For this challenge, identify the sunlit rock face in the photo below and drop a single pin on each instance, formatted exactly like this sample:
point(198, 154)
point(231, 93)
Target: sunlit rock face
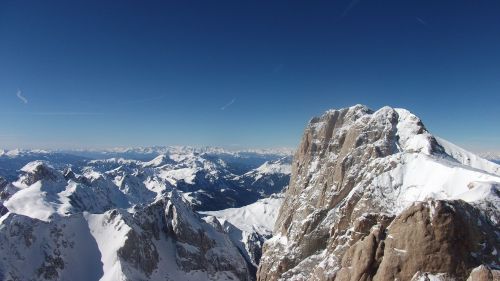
point(362, 181)
point(164, 240)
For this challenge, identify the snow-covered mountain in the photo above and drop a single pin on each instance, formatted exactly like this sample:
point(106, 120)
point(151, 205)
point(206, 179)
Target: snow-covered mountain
point(210, 178)
point(124, 219)
point(374, 196)
point(269, 178)
point(145, 153)
point(11, 161)
point(165, 240)
point(369, 195)
point(250, 226)
point(204, 180)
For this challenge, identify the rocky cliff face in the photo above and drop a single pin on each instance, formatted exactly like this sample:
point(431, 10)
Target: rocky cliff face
point(373, 196)
point(162, 241)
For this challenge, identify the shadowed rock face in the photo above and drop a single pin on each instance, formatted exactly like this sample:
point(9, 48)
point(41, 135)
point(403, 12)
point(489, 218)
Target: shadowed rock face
point(337, 215)
point(198, 245)
point(4, 195)
point(40, 171)
point(165, 235)
point(3, 183)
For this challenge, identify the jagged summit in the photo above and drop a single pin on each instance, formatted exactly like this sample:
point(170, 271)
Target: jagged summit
point(355, 163)
point(405, 129)
point(64, 217)
point(39, 170)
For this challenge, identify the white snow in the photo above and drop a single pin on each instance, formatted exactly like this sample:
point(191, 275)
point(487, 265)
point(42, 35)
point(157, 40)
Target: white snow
point(31, 167)
point(281, 166)
point(259, 216)
point(419, 177)
point(479, 191)
point(186, 174)
point(157, 161)
point(274, 168)
point(110, 236)
point(400, 251)
point(468, 158)
point(102, 187)
point(408, 132)
point(31, 202)
point(27, 243)
point(421, 276)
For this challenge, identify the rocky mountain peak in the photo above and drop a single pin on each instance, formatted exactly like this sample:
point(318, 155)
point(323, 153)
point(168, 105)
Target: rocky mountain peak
point(39, 170)
point(352, 162)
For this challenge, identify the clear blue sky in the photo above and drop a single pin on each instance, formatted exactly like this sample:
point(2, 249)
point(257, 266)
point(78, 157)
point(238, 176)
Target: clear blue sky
point(241, 73)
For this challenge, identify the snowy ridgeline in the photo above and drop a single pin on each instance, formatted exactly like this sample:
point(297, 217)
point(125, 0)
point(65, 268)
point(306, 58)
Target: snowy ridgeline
point(73, 218)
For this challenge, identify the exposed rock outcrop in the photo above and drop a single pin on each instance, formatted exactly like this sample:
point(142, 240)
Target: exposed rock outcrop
point(450, 237)
point(484, 273)
point(162, 241)
point(351, 201)
point(38, 170)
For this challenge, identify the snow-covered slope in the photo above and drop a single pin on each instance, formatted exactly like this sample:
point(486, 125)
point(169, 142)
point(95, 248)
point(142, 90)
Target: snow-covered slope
point(257, 217)
point(269, 178)
point(36, 250)
point(281, 166)
point(162, 241)
point(468, 158)
point(45, 192)
point(250, 226)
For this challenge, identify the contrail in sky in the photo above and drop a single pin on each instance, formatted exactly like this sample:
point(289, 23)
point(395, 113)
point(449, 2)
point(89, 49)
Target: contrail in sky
point(228, 104)
point(19, 94)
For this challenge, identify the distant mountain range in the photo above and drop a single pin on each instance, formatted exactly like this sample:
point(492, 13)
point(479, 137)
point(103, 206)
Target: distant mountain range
point(367, 195)
point(60, 210)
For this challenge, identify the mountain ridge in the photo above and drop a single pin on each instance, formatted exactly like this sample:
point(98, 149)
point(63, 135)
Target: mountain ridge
point(356, 161)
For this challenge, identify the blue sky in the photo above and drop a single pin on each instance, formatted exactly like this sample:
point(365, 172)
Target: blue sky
point(241, 73)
